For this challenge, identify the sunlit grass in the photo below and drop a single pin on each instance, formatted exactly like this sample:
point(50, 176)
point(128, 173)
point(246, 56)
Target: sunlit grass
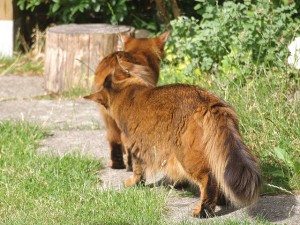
point(39, 189)
point(21, 64)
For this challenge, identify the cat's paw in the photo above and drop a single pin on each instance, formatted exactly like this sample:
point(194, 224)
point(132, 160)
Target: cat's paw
point(130, 181)
point(202, 212)
point(196, 211)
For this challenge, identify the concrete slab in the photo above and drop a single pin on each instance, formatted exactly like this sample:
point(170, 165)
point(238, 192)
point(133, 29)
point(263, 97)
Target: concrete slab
point(21, 87)
point(56, 114)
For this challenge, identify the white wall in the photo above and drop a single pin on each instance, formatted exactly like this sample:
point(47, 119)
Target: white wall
point(6, 37)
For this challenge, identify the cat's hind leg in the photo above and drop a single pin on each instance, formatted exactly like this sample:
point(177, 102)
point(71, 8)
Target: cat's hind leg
point(208, 198)
point(198, 171)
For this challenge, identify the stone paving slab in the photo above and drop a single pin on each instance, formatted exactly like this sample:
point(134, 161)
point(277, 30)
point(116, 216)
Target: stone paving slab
point(275, 209)
point(21, 87)
point(59, 114)
point(85, 142)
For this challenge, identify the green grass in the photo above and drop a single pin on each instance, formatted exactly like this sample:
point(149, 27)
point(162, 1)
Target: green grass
point(73, 93)
point(269, 122)
point(270, 125)
point(76, 92)
point(21, 64)
point(38, 189)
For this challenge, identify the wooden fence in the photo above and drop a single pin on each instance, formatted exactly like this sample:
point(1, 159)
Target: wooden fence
point(6, 9)
point(6, 27)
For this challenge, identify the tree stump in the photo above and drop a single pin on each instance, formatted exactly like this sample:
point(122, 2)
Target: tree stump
point(73, 52)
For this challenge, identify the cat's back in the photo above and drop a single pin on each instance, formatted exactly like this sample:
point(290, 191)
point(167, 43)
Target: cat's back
point(169, 106)
point(180, 96)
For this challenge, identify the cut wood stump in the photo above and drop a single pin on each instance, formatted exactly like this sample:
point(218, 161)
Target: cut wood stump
point(73, 52)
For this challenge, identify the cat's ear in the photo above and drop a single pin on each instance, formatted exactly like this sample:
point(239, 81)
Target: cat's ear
point(125, 38)
point(164, 37)
point(138, 73)
point(100, 97)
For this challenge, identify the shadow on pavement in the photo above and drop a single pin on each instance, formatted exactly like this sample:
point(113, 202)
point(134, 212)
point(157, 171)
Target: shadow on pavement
point(274, 208)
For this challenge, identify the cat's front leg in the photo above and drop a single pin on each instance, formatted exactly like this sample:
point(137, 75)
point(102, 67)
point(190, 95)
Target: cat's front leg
point(138, 176)
point(114, 139)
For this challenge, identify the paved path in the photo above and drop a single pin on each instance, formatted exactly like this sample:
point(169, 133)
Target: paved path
point(21, 87)
point(76, 127)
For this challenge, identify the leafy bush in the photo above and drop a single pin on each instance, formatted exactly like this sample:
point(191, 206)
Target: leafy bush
point(70, 11)
point(232, 39)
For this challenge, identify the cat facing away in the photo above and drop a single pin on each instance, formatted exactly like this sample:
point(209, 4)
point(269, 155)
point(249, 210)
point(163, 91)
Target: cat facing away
point(182, 130)
point(147, 52)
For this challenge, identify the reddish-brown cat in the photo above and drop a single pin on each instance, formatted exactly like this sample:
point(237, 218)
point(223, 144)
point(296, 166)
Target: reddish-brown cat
point(147, 52)
point(183, 130)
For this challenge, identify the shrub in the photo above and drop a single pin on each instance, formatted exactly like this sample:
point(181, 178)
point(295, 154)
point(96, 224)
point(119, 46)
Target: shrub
point(71, 11)
point(233, 39)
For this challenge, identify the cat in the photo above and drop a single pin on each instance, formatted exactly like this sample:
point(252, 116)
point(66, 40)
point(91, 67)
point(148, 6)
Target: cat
point(147, 52)
point(180, 129)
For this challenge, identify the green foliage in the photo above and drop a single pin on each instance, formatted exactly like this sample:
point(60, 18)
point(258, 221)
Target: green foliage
point(232, 34)
point(66, 11)
point(142, 14)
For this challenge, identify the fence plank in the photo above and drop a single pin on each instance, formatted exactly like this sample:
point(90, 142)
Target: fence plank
point(6, 10)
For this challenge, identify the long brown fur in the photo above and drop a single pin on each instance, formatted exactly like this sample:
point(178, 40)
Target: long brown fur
point(183, 130)
point(144, 51)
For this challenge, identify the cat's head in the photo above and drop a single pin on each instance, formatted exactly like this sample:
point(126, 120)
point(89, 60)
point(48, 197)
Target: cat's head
point(118, 71)
point(123, 65)
point(155, 44)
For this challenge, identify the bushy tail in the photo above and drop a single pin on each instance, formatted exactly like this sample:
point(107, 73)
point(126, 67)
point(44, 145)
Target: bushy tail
point(234, 167)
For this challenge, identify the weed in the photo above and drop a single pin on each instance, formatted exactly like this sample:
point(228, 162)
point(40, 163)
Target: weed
point(21, 64)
